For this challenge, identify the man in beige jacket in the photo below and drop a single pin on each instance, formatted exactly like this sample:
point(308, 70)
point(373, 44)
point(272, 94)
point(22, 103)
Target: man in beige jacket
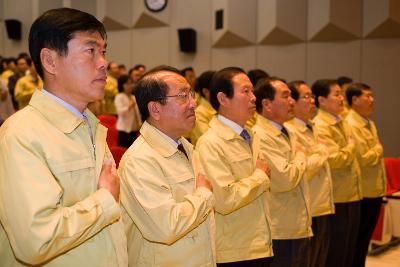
point(317, 174)
point(59, 192)
point(288, 199)
point(228, 156)
point(370, 156)
point(334, 132)
point(169, 217)
point(204, 111)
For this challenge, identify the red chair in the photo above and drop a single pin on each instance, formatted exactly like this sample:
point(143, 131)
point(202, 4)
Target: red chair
point(110, 122)
point(384, 229)
point(392, 166)
point(117, 153)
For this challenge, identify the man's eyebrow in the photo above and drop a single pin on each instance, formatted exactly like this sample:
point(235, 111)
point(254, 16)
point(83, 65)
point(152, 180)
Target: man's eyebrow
point(95, 43)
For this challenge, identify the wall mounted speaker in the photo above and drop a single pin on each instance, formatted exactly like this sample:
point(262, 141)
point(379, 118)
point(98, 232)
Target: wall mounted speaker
point(187, 40)
point(219, 19)
point(13, 27)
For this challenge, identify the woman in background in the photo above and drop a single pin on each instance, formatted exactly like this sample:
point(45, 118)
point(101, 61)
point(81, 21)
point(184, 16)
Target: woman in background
point(129, 120)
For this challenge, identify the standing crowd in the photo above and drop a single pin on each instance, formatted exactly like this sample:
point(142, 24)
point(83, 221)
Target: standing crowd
point(229, 169)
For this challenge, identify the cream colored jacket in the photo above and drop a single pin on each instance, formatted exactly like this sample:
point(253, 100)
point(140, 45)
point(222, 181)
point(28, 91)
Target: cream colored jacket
point(204, 113)
point(369, 155)
point(24, 89)
point(288, 200)
point(110, 92)
point(168, 221)
point(318, 173)
point(345, 170)
point(51, 211)
point(243, 231)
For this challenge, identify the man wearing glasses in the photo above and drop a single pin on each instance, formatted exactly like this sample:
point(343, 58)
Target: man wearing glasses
point(318, 174)
point(168, 208)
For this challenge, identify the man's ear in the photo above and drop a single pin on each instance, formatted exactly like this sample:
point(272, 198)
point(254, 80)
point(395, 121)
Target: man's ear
point(354, 100)
point(48, 58)
point(321, 100)
point(266, 104)
point(206, 92)
point(154, 110)
point(222, 99)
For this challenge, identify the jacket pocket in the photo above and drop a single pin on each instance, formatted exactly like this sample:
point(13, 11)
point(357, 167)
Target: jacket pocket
point(181, 185)
point(77, 179)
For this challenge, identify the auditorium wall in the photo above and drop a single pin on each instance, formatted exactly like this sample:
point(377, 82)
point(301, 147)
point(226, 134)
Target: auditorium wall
point(293, 39)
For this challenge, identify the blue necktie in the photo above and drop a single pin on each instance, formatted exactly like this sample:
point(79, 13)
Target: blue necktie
point(246, 136)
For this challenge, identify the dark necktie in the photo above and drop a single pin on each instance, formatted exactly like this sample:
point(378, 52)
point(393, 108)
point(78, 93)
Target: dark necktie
point(245, 136)
point(341, 128)
point(285, 132)
point(182, 149)
point(369, 125)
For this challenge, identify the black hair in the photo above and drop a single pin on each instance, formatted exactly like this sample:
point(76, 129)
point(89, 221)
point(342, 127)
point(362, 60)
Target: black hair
point(183, 71)
point(322, 88)
point(265, 90)
point(355, 89)
point(222, 82)
point(150, 88)
point(203, 81)
point(55, 28)
point(343, 80)
point(121, 81)
point(256, 74)
point(294, 88)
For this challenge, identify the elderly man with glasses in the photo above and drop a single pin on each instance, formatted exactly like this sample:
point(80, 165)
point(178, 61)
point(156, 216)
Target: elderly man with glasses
point(168, 208)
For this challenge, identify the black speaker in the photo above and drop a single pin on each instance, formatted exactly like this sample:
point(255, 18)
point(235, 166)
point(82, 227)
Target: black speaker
point(13, 27)
point(219, 19)
point(187, 40)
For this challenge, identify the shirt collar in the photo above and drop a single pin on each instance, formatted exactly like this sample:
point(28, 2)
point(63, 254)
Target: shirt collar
point(233, 125)
point(357, 118)
point(160, 142)
point(268, 125)
point(68, 106)
point(299, 121)
point(60, 116)
point(328, 117)
point(169, 139)
point(275, 124)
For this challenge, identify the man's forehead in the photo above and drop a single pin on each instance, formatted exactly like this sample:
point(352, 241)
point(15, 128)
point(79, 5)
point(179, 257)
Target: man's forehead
point(241, 79)
point(366, 92)
point(304, 88)
point(280, 86)
point(172, 79)
point(89, 37)
point(334, 88)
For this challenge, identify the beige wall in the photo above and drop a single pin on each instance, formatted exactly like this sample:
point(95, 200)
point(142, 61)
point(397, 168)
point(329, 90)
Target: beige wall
point(374, 61)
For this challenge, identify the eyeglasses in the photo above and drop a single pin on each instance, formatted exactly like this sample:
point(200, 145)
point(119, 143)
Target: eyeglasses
point(183, 97)
point(307, 97)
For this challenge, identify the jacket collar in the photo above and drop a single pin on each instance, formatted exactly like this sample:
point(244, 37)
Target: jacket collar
point(222, 130)
point(265, 124)
point(159, 143)
point(327, 117)
point(357, 119)
point(59, 116)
